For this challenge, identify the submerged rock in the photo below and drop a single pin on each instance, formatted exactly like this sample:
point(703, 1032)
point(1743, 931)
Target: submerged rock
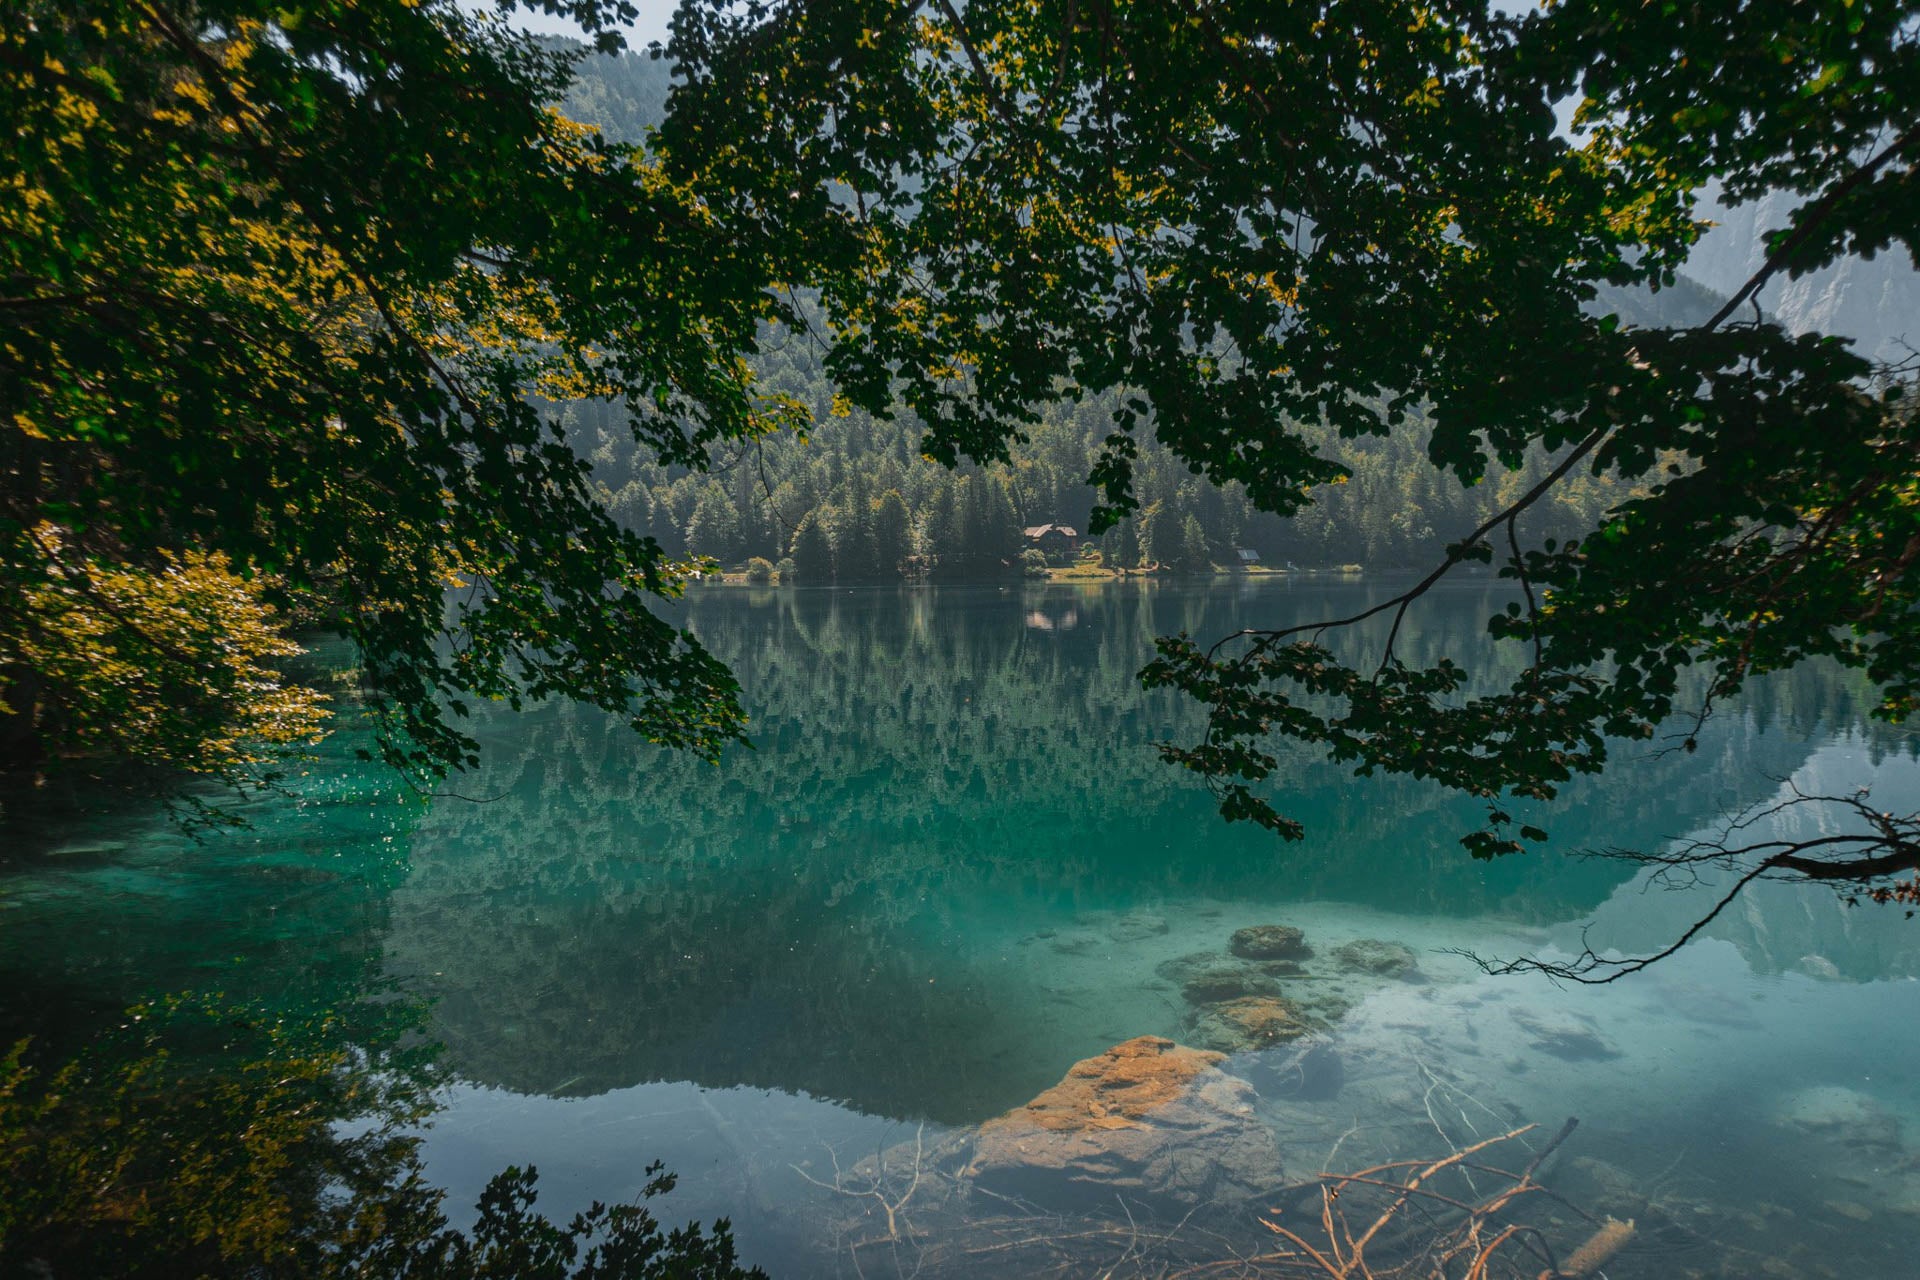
point(1155, 1123)
point(1310, 1072)
point(1078, 942)
point(1227, 983)
point(1206, 978)
point(1251, 1022)
point(1137, 926)
point(1563, 1036)
point(1851, 1121)
point(1372, 955)
point(1270, 942)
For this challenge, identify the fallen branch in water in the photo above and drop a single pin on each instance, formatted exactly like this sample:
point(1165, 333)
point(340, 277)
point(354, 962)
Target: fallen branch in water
point(1407, 1220)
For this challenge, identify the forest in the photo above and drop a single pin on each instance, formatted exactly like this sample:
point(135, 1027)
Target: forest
point(856, 500)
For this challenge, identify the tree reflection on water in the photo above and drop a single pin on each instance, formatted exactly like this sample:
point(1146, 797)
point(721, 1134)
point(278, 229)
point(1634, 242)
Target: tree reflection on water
point(206, 1138)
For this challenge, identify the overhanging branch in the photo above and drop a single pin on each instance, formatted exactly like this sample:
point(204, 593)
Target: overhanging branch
point(1886, 845)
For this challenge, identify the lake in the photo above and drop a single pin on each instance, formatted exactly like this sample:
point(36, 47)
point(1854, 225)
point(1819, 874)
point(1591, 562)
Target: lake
point(952, 865)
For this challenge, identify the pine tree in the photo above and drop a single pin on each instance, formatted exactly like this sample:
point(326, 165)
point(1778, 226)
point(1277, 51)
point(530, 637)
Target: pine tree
point(714, 528)
point(1193, 556)
point(892, 534)
point(813, 549)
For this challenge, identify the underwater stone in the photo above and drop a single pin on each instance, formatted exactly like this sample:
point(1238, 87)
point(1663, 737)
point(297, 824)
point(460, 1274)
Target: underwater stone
point(1151, 1121)
point(1228, 983)
point(1270, 942)
point(1252, 1022)
point(1077, 943)
point(1207, 979)
point(1563, 1037)
point(1137, 926)
point(1372, 955)
point(1283, 968)
point(1311, 1072)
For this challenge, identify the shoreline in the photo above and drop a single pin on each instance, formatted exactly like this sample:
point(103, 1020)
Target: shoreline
point(1068, 574)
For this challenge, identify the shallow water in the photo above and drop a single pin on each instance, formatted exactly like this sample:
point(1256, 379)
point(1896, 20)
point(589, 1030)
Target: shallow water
point(953, 865)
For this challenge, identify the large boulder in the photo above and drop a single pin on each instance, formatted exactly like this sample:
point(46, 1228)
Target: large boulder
point(1152, 1122)
point(1269, 942)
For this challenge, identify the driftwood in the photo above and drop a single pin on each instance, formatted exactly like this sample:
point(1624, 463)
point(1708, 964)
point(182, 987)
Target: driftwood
point(1407, 1220)
point(1468, 1215)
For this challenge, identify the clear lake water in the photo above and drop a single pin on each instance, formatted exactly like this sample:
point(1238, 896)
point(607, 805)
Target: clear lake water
point(952, 865)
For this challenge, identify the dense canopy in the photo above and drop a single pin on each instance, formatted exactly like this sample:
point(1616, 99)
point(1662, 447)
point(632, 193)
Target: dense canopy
point(289, 289)
point(1253, 217)
point(283, 288)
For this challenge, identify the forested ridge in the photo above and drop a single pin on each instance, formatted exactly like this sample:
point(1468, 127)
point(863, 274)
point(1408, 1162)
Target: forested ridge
point(856, 500)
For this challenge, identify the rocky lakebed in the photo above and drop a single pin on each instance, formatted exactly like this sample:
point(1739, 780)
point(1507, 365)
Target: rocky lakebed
point(1177, 1154)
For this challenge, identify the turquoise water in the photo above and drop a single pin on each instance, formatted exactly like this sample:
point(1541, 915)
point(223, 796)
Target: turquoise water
point(952, 865)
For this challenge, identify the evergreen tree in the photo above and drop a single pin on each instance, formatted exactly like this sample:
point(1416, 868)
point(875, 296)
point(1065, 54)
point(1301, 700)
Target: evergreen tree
point(714, 527)
point(892, 533)
point(813, 549)
point(1001, 542)
point(942, 530)
point(1192, 555)
point(1121, 545)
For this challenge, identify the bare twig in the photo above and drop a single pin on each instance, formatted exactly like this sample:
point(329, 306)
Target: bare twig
point(876, 1190)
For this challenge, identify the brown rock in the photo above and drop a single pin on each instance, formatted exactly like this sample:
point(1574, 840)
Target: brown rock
point(1270, 942)
point(1153, 1122)
point(1122, 1085)
point(1252, 1022)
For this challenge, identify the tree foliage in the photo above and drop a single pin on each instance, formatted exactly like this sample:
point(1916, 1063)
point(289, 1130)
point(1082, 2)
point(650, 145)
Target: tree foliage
point(165, 666)
point(278, 284)
point(1252, 222)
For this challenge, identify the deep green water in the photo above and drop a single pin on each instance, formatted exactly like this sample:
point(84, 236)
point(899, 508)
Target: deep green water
point(949, 868)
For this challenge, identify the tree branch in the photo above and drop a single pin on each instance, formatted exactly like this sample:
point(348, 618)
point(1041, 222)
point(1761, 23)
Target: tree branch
point(1816, 213)
point(1891, 845)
